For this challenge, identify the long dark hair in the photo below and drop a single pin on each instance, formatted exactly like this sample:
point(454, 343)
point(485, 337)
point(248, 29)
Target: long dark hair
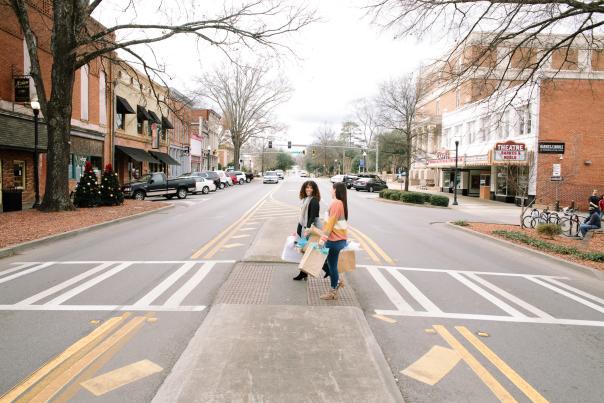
point(340, 188)
point(315, 190)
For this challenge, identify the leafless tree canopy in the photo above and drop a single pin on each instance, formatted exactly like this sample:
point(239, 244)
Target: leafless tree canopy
point(366, 116)
point(247, 97)
point(531, 31)
point(77, 39)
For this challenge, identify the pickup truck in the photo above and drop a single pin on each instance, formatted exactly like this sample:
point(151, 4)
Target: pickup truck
point(158, 184)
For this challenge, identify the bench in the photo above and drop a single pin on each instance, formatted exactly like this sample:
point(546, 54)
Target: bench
point(590, 234)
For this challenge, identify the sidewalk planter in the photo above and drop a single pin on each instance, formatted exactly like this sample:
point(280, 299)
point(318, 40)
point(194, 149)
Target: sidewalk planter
point(418, 198)
point(12, 199)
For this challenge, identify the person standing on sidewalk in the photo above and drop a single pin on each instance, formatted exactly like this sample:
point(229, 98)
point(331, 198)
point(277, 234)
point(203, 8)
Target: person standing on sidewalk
point(335, 235)
point(309, 212)
point(594, 200)
point(601, 204)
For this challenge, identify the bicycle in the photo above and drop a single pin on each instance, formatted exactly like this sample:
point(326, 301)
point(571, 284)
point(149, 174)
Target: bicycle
point(570, 222)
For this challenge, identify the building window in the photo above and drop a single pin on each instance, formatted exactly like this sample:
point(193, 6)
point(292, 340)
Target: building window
point(163, 133)
point(120, 120)
point(458, 98)
point(521, 128)
point(505, 123)
point(438, 106)
point(84, 92)
point(102, 98)
point(19, 174)
point(528, 119)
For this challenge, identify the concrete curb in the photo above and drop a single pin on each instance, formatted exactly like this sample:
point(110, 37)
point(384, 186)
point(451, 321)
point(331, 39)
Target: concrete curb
point(410, 204)
point(571, 265)
point(12, 250)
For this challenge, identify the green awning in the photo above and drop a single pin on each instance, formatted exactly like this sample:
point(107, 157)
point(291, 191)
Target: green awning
point(137, 154)
point(165, 158)
point(17, 132)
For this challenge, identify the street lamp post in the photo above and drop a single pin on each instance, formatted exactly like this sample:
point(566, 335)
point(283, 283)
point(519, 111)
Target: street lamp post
point(365, 161)
point(35, 106)
point(455, 176)
point(209, 151)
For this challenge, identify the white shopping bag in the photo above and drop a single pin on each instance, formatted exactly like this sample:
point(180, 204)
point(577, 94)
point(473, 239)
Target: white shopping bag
point(290, 252)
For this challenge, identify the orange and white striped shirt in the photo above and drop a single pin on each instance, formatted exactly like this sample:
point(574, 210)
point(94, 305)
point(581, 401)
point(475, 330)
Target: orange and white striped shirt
point(336, 226)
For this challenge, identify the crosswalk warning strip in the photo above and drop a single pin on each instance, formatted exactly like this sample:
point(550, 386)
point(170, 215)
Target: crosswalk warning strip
point(20, 266)
point(485, 376)
point(573, 289)
point(396, 299)
point(36, 376)
point(117, 378)
point(59, 287)
point(177, 298)
point(25, 272)
point(419, 296)
point(164, 285)
point(567, 294)
point(501, 365)
point(90, 283)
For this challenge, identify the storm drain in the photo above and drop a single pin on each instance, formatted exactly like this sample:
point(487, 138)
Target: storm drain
point(249, 283)
point(319, 286)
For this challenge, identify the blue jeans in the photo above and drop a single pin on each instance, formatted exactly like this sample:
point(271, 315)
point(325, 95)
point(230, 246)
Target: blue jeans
point(332, 260)
point(586, 227)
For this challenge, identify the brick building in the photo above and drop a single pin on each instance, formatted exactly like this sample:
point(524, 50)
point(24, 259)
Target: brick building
point(562, 105)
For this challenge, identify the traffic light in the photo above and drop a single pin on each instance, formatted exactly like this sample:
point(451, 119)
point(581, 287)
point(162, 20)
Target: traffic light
point(270, 144)
point(289, 144)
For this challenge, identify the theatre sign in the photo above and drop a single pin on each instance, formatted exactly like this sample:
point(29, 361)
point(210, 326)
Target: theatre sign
point(510, 151)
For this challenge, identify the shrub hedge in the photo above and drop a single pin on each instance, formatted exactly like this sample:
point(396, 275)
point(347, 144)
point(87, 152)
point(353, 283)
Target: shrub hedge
point(550, 230)
point(395, 195)
point(437, 200)
point(413, 197)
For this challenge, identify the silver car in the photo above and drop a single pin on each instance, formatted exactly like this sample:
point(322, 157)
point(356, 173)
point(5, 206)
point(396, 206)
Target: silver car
point(270, 177)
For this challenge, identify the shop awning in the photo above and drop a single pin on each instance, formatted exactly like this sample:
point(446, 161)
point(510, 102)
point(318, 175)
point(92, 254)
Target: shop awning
point(17, 132)
point(154, 117)
point(165, 123)
point(137, 154)
point(122, 106)
point(165, 158)
point(142, 114)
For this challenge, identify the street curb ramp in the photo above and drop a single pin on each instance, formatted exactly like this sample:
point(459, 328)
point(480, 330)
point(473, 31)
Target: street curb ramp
point(281, 353)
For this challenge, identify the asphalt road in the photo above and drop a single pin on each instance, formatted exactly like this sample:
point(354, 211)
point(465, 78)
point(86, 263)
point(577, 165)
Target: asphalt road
point(541, 324)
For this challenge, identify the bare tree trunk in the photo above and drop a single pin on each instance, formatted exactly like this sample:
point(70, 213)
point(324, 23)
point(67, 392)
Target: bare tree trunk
point(236, 153)
point(408, 160)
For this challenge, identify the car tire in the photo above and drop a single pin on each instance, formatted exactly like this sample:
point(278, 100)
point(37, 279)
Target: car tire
point(357, 189)
point(221, 185)
point(205, 190)
point(248, 180)
point(370, 189)
point(139, 195)
point(241, 181)
point(181, 193)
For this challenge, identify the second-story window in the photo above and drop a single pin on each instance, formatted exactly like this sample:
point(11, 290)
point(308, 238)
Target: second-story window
point(102, 98)
point(84, 93)
point(528, 119)
point(437, 107)
point(458, 97)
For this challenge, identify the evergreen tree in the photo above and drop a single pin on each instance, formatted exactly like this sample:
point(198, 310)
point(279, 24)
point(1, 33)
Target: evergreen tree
point(87, 193)
point(111, 193)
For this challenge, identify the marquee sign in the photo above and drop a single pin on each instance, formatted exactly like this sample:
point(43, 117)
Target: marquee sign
point(510, 151)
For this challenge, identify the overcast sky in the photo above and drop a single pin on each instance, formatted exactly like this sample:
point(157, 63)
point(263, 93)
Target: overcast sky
point(338, 60)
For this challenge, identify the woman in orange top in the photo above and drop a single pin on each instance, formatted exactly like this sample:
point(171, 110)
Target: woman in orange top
point(335, 235)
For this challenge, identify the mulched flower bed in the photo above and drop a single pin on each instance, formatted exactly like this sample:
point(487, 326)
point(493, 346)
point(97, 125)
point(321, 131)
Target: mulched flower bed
point(595, 245)
point(22, 226)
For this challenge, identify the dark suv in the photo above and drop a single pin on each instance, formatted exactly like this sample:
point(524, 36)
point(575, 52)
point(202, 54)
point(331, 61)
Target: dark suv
point(349, 180)
point(370, 183)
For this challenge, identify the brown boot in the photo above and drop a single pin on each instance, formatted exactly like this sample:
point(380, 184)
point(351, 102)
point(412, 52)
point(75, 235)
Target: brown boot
point(330, 295)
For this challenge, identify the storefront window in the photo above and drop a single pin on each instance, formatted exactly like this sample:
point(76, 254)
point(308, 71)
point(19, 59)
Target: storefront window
point(512, 180)
point(78, 162)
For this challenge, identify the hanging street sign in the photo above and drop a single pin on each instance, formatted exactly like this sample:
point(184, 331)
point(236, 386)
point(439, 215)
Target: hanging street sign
point(22, 89)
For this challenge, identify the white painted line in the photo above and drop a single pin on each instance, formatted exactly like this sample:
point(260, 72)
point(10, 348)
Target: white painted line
point(185, 290)
point(232, 245)
point(241, 236)
point(389, 290)
point(509, 296)
point(495, 318)
point(164, 285)
point(415, 293)
point(246, 229)
point(157, 308)
point(17, 268)
point(488, 273)
point(486, 295)
point(90, 283)
point(575, 290)
point(568, 294)
point(65, 284)
point(146, 262)
point(25, 272)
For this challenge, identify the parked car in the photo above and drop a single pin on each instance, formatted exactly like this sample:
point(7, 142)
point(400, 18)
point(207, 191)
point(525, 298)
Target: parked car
point(249, 177)
point(270, 177)
point(303, 174)
point(240, 177)
point(232, 177)
point(280, 173)
point(349, 180)
point(370, 183)
point(224, 179)
point(337, 178)
point(158, 184)
point(211, 175)
point(202, 185)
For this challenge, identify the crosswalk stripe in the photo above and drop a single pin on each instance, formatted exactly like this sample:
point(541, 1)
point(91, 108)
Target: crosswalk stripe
point(17, 268)
point(420, 297)
point(164, 285)
point(485, 294)
point(25, 272)
point(567, 294)
point(90, 283)
point(65, 284)
point(509, 296)
point(573, 289)
point(177, 298)
point(390, 291)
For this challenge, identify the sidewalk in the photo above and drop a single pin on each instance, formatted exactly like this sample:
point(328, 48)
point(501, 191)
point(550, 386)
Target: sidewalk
point(270, 339)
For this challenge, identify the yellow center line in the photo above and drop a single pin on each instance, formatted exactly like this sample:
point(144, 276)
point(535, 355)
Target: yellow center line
point(485, 376)
point(366, 248)
point(375, 246)
point(505, 369)
point(37, 375)
point(65, 377)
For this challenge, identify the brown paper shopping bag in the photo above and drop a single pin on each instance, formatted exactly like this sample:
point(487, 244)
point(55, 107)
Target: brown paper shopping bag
point(347, 261)
point(312, 261)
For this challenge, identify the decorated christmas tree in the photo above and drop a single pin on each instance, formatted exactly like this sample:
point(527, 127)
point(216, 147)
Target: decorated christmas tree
point(111, 193)
point(87, 193)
